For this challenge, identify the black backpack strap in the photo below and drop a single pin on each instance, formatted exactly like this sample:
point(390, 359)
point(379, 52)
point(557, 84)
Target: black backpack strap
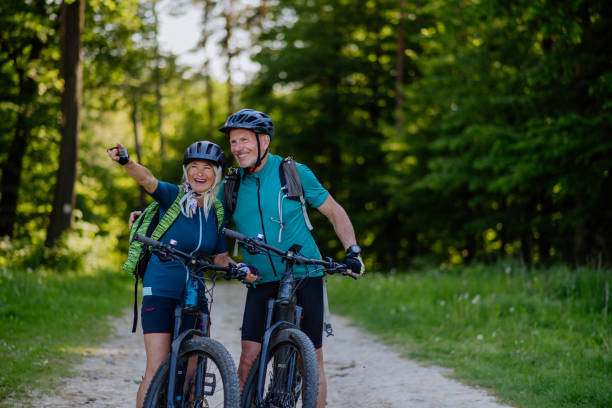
point(135, 320)
point(290, 179)
point(230, 189)
point(291, 185)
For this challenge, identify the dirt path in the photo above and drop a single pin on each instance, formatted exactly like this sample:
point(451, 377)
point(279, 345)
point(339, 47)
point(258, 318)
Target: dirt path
point(360, 372)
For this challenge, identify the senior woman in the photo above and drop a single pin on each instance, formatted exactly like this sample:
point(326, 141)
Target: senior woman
point(195, 230)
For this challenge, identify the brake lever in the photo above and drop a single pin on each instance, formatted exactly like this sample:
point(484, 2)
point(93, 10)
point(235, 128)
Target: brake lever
point(163, 254)
point(250, 248)
point(341, 268)
point(202, 263)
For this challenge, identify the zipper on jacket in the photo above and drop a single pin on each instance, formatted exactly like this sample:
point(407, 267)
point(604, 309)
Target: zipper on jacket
point(263, 229)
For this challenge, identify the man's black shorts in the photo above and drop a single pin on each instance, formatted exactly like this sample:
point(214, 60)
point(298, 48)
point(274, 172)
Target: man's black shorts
point(309, 296)
point(157, 315)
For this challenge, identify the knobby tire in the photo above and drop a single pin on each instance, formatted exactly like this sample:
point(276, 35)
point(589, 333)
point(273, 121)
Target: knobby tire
point(306, 383)
point(221, 371)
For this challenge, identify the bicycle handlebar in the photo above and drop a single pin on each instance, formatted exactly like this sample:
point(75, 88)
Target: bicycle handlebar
point(148, 241)
point(329, 264)
point(234, 234)
point(176, 253)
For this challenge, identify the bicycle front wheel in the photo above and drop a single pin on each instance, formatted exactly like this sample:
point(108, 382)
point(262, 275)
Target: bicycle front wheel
point(291, 376)
point(206, 377)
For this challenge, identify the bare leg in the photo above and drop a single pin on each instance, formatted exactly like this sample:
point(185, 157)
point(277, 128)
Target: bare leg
point(322, 396)
point(250, 350)
point(157, 347)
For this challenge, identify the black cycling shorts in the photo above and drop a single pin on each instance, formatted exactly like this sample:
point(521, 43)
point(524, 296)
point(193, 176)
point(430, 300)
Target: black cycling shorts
point(309, 296)
point(157, 315)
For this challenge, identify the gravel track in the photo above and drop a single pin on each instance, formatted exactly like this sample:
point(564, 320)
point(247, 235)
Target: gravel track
point(360, 371)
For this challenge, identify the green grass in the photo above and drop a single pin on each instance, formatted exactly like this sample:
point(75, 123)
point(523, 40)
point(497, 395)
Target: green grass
point(47, 318)
point(538, 339)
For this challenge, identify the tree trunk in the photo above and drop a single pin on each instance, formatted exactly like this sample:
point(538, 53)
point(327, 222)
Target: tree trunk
point(11, 176)
point(210, 105)
point(545, 228)
point(136, 126)
point(72, 16)
point(13, 165)
point(229, 54)
point(580, 230)
point(399, 79)
point(208, 6)
point(158, 87)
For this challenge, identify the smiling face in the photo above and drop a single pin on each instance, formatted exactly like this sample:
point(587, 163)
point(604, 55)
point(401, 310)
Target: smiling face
point(243, 143)
point(200, 175)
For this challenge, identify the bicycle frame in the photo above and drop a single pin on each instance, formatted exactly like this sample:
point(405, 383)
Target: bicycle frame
point(177, 342)
point(201, 310)
point(290, 313)
point(286, 307)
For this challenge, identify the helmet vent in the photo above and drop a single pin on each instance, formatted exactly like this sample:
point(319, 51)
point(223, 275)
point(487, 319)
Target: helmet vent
point(204, 151)
point(250, 119)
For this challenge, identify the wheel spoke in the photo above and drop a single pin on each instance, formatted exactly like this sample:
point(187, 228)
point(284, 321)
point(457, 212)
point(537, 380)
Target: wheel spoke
point(207, 378)
point(288, 382)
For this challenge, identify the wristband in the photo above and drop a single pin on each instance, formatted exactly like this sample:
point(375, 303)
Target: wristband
point(124, 157)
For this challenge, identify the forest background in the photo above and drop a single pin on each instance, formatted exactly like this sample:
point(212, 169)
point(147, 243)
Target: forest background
point(470, 141)
point(450, 130)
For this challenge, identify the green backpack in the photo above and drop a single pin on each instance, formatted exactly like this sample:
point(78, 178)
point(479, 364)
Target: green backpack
point(153, 223)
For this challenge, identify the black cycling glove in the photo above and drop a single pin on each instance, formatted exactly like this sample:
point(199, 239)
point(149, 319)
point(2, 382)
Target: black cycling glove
point(124, 157)
point(353, 260)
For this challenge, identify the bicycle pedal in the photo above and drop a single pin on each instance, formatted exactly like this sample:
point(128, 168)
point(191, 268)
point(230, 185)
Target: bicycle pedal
point(210, 384)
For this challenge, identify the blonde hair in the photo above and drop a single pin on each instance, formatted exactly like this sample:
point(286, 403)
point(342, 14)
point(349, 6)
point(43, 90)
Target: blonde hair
point(189, 202)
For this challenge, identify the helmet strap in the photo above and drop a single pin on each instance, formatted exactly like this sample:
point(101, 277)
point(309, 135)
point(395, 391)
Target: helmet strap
point(251, 169)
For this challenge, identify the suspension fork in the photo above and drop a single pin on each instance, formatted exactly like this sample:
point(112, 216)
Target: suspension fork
point(202, 365)
point(177, 341)
point(178, 311)
point(271, 328)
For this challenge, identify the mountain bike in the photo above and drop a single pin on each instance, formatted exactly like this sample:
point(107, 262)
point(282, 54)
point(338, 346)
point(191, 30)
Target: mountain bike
point(199, 371)
point(286, 371)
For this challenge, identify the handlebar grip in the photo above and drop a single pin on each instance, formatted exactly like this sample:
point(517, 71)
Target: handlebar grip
point(147, 241)
point(233, 234)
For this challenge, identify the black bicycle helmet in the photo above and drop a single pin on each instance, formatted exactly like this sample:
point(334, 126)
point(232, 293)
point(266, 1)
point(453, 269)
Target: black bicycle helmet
point(257, 121)
point(204, 150)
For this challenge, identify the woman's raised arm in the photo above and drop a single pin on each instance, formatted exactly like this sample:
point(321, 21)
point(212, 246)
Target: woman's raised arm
point(140, 173)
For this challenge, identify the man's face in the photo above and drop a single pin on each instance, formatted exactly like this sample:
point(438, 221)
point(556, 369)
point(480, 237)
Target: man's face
point(243, 144)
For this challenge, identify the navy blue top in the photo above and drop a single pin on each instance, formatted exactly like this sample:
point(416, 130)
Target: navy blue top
point(195, 234)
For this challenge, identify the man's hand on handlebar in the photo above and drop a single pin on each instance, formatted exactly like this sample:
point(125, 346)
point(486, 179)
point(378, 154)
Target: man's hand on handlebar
point(353, 275)
point(354, 262)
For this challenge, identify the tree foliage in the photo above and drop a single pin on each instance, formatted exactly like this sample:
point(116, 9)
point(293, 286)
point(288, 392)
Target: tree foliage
point(496, 145)
point(506, 114)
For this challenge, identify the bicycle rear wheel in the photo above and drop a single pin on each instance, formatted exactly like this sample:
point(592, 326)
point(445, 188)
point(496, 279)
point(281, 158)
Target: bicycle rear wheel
point(208, 367)
point(291, 376)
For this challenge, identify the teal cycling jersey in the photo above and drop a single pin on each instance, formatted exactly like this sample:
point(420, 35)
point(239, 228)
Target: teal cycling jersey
point(262, 209)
